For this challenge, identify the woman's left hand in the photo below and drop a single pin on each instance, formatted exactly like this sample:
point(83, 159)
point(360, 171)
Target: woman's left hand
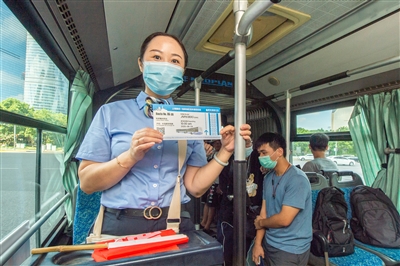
point(228, 136)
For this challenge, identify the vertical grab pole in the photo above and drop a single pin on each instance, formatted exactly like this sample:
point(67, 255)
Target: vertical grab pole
point(288, 147)
point(197, 87)
point(243, 19)
point(239, 170)
point(197, 201)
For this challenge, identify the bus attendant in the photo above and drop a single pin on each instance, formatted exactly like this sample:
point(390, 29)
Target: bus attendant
point(123, 156)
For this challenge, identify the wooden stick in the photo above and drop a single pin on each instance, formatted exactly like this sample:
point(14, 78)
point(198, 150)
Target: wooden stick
point(116, 244)
point(68, 248)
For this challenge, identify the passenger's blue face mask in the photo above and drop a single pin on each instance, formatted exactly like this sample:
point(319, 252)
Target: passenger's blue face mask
point(266, 161)
point(162, 78)
point(249, 150)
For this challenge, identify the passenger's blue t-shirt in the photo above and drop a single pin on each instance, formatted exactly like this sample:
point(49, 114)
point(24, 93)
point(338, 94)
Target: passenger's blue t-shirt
point(151, 181)
point(293, 190)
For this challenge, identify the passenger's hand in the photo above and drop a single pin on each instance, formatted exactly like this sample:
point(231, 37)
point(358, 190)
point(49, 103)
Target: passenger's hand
point(257, 222)
point(228, 136)
point(257, 252)
point(142, 141)
point(209, 149)
point(264, 170)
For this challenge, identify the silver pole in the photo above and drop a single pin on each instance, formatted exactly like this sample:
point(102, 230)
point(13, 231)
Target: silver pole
point(15, 137)
point(239, 8)
point(288, 147)
point(239, 164)
point(196, 201)
point(243, 20)
point(197, 87)
point(254, 11)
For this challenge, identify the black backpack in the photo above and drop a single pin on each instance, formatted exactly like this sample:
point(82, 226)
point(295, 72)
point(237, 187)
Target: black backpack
point(330, 218)
point(375, 220)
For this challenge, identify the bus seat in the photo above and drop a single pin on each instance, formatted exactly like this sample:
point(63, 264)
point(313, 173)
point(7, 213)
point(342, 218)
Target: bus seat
point(328, 172)
point(87, 208)
point(317, 181)
point(359, 257)
point(342, 179)
point(390, 256)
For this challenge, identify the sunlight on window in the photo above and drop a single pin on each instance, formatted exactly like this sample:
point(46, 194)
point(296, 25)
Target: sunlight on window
point(334, 120)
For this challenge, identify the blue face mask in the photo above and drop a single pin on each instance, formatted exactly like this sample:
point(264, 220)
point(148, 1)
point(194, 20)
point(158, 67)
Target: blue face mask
point(249, 150)
point(162, 78)
point(266, 161)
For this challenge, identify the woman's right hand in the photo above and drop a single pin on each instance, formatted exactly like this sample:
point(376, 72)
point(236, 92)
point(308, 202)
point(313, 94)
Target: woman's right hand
point(142, 141)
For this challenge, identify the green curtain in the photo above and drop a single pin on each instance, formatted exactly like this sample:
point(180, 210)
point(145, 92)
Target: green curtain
point(79, 119)
point(364, 130)
point(390, 181)
point(371, 135)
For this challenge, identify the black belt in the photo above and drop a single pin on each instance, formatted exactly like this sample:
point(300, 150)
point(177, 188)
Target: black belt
point(150, 213)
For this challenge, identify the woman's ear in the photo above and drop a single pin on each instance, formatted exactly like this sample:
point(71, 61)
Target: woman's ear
point(140, 64)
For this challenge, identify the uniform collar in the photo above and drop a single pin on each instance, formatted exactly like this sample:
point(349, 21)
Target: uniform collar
point(141, 100)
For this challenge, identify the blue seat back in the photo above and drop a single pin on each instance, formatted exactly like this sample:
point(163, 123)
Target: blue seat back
point(87, 208)
point(343, 179)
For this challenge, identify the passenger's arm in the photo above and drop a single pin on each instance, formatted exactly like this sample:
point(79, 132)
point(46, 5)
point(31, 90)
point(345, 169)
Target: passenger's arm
point(260, 233)
point(95, 176)
point(198, 180)
point(282, 219)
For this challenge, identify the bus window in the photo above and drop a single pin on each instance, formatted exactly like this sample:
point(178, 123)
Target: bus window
point(31, 83)
point(334, 123)
point(334, 120)
point(51, 186)
point(21, 187)
point(31, 86)
point(18, 184)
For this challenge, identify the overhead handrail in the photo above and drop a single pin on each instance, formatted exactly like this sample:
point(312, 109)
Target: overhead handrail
point(9, 252)
point(243, 19)
point(253, 12)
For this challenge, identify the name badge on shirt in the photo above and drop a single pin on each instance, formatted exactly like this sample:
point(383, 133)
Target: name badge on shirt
point(187, 122)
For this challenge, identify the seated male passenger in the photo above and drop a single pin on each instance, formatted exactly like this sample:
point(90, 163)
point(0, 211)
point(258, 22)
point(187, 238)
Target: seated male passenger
point(318, 146)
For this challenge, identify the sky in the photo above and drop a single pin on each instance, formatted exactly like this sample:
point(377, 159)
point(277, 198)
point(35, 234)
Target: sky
point(12, 52)
point(315, 120)
point(323, 119)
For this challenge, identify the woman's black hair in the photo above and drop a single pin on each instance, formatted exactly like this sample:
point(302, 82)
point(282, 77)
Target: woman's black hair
point(155, 34)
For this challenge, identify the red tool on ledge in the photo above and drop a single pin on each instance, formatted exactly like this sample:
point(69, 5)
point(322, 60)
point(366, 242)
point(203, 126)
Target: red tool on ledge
point(135, 245)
